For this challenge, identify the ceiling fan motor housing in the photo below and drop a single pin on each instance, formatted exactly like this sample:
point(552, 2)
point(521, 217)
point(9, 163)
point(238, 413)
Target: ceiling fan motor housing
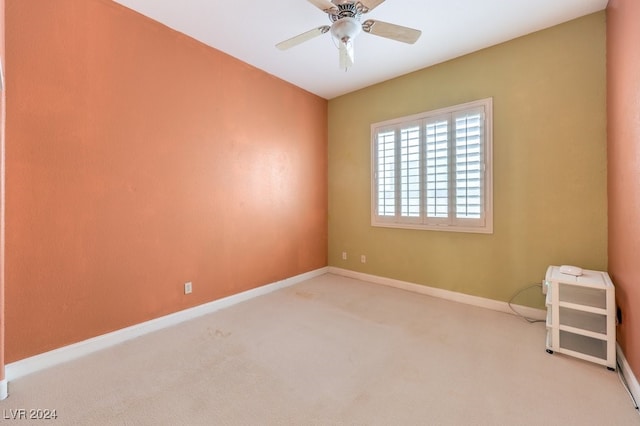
point(347, 9)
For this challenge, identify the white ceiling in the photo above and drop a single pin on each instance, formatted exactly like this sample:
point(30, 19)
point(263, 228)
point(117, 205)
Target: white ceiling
point(249, 31)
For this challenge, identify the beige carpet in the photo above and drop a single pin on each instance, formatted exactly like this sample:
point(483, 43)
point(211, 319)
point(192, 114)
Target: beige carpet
point(332, 351)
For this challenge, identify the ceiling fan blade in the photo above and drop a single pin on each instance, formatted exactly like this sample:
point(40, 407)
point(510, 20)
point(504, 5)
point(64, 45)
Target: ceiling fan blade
point(346, 55)
point(301, 38)
point(369, 5)
point(392, 31)
point(324, 5)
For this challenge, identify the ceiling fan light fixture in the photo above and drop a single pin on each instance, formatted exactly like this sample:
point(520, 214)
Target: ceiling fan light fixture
point(346, 29)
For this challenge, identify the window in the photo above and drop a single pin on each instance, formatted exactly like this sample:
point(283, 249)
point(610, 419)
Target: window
point(433, 170)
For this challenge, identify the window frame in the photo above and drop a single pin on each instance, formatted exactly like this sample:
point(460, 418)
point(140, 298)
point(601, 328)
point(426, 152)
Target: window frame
point(451, 223)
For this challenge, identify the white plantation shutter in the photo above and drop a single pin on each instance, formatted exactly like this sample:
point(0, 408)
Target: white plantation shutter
point(386, 176)
point(437, 168)
point(410, 198)
point(432, 170)
point(468, 164)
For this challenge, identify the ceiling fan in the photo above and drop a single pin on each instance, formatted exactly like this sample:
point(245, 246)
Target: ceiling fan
point(346, 24)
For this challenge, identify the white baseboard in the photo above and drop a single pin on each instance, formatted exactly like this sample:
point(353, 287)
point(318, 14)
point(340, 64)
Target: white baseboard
point(538, 314)
point(627, 373)
point(4, 390)
point(39, 362)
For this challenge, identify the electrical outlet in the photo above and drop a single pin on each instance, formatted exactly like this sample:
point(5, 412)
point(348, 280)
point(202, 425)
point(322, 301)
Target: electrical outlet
point(344, 255)
point(188, 288)
point(363, 258)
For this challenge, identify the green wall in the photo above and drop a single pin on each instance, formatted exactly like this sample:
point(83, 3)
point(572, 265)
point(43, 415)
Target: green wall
point(550, 200)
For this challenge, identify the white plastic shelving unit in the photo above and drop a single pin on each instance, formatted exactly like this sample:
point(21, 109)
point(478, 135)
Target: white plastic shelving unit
point(581, 315)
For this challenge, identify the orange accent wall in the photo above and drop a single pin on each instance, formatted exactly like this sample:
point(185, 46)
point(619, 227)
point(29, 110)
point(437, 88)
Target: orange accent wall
point(623, 103)
point(139, 159)
point(2, 145)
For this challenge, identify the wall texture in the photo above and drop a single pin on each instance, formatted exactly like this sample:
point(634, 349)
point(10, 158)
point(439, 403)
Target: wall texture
point(550, 201)
point(623, 103)
point(139, 159)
